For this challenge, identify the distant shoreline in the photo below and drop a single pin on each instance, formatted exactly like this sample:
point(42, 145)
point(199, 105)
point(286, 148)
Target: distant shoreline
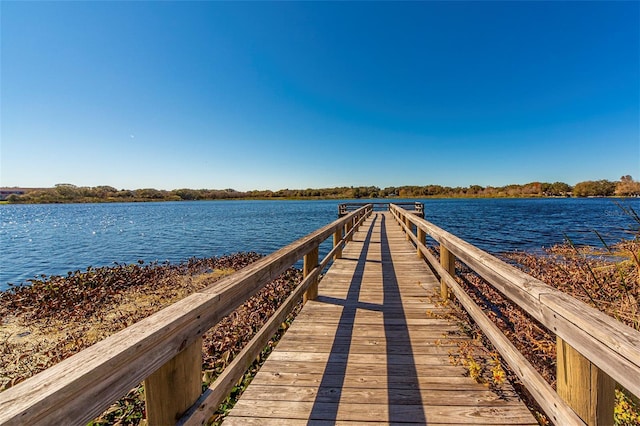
point(386, 199)
point(68, 193)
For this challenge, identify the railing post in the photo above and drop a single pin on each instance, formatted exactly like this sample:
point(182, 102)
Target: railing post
point(422, 240)
point(337, 237)
point(408, 223)
point(310, 262)
point(448, 262)
point(349, 225)
point(172, 389)
point(587, 389)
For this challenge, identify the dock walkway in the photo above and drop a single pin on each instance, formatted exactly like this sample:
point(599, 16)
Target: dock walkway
point(372, 349)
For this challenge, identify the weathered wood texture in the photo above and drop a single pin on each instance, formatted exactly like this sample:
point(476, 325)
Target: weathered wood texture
point(584, 386)
point(79, 388)
point(208, 403)
point(585, 382)
point(171, 390)
point(448, 262)
point(607, 343)
point(310, 263)
point(366, 349)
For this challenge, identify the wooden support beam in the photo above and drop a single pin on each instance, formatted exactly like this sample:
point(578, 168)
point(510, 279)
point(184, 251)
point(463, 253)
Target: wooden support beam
point(310, 262)
point(349, 226)
point(422, 240)
point(409, 230)
point(586, 388)
point(337, 238)
point(448, 262)
point(174, 387)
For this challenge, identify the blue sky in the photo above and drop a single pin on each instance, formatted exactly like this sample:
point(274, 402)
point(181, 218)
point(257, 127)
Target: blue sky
point(296, 95)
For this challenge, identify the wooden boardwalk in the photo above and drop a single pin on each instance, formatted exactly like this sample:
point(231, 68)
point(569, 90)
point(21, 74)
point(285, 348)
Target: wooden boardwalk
point(368, 351)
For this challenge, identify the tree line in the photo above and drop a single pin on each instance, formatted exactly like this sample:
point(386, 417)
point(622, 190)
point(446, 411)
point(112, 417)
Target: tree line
point(68, 193)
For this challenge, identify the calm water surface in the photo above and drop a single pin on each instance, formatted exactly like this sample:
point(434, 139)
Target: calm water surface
point(54, 239)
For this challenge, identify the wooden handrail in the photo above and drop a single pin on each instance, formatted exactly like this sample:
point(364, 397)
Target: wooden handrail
point(81, 387)
point(208, 403)
point(608, 344)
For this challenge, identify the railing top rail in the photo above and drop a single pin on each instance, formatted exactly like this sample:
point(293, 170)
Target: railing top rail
point(81, 387)
point(606, 342)
point(344, 208)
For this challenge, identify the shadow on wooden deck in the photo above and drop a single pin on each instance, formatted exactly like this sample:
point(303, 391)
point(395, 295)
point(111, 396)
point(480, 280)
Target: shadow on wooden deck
point(403, 390)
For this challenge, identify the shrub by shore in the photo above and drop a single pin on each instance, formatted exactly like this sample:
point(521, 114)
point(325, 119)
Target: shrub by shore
point(607, 279)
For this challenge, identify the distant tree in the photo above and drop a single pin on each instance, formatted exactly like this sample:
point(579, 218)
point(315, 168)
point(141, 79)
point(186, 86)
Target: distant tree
point(533, 188)
point(125, 193)
point(149, 194)
point(475, 190)
point(627, 187)
point(599, 188)
point(187, 194)
point(68, 191)
point(555, 189)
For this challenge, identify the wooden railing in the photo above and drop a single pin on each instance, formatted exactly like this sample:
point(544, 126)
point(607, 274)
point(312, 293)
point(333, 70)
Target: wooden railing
point(165, 349)
point(416, 207)
point(594, 351)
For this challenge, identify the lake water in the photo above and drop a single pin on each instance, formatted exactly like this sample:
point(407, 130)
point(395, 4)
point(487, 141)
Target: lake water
point(54, 239)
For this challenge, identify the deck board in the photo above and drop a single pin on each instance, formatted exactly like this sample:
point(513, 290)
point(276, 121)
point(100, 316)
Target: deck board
point(369, 349)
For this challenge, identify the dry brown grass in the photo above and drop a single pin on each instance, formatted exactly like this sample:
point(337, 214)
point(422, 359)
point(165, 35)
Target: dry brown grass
point(56, 317)
point(606, 279)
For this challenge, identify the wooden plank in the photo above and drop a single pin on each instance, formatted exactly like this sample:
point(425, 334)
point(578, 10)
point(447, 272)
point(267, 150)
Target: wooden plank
point(380, 321)
point(368, 311)
point(506, 414)
point(338, 329)
point(423, 383)
point(366, 349)
point(399, 396)
point(415, 343)
point(262, 421)
point(366, 369)
point(355, 359)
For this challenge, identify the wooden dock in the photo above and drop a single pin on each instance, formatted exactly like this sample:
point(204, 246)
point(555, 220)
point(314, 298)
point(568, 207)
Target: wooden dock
point(369, 349)
point(372, 344)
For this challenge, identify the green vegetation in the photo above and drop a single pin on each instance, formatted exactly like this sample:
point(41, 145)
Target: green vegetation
point(68, 193)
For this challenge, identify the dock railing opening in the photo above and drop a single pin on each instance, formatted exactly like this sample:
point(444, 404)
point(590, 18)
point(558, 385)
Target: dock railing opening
point(165, 349)
point(416, 207)
point(594, 351)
